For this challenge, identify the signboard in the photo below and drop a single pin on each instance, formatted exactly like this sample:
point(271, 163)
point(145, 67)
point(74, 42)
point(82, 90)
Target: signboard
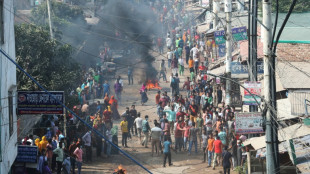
point(238, 34)
point(237, 68)
point(255, 89)
point(27, 154)
point(249, 123)
point(37, 102)
point(222, 50)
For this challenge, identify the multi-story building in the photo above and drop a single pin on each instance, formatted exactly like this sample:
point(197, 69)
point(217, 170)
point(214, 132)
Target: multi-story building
point(8, 119)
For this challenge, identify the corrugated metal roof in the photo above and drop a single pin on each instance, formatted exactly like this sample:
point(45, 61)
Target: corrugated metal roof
point(297, 100)
point(294, 75)
point(291, 132)
point(302, 151)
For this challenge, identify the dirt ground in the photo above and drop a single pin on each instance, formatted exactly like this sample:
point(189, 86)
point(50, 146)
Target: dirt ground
point(182, 163)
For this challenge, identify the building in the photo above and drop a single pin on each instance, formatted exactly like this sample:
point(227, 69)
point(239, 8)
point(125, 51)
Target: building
point(8, 119)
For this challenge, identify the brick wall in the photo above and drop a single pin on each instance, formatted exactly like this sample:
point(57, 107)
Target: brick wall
point(293, 52)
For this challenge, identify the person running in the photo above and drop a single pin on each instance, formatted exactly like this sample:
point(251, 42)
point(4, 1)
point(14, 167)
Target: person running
point(167, 152)
point(146, 130)
point(124, 129)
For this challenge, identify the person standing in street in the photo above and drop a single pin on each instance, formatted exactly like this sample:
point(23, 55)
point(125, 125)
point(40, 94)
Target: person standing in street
point(78, 153)
point(133, 114)
point(124, 129)
point(217, 148)
point(138, 123)
point(169, 57)
point(167, 151)
point(118, 88)
point(162, 71)
point(87, 143)
point(187, 53)
point(192, 138)
point(72, 148)
point(156, 132)
point(209, 149)
point(60, 157)
point(146, 130)
point(187, 86)
point(226, 161)
point(181, 66)
point(130, 75)
point(106, 88)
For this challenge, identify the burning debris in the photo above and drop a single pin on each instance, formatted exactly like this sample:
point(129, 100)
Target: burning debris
point(120, 170)
point(152, 84)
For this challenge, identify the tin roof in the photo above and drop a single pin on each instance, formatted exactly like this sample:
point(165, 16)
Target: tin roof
point(294, 75)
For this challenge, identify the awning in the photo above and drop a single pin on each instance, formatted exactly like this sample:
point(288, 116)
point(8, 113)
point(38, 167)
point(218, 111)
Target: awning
point(291, 132)
point(203, 28)
point(218, 71)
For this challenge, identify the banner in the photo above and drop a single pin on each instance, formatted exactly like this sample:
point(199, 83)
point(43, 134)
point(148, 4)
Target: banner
point(255, 89)
point(238, 34)
point(237, 68)
point(38, 102)
point(249, 123)
point(27, 154)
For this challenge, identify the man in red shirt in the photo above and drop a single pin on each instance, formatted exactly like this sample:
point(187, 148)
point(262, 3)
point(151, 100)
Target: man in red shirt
point(217, 148)
point(180, 114)
point(187, 84)
point(202, 67)
point(178, 136)
point(157, 97)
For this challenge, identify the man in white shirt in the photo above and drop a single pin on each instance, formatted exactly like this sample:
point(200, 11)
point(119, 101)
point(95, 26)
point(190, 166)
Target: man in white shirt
point(169, 57)
point(156, 133)
point(168, 42)
point(194, 51)
point(138, 122)
point(120, 81)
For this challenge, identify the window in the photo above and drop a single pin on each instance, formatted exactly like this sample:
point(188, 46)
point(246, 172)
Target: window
point(1, 23)
point(10, 98)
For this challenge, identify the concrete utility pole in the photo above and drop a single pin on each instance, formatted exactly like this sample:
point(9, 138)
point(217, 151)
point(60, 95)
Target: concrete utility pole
point(228, 50)
point(49, 18)
point(271, 129)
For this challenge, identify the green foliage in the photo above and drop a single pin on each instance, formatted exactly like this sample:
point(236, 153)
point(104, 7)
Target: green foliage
point(62, 14)
point(48, 61)
point(284, 6)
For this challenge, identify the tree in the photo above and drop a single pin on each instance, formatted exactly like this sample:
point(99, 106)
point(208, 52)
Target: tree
point(48, 61)
point(62, 14)
point(284, 6)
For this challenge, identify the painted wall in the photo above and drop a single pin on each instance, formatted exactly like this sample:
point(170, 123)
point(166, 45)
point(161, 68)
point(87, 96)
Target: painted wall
point(8, 83)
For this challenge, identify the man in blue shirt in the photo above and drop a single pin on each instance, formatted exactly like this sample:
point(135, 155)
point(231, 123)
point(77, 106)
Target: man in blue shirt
point(130, 75)
point(106, 88)
point(167, 151)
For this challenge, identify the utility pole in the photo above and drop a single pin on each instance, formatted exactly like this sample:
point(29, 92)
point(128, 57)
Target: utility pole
point(228, 50)
point(49, 18)
point(252, 56)
point(271, 128)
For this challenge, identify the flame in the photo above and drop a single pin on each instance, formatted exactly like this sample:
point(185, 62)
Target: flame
point(120, 170)
point(152, 85)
